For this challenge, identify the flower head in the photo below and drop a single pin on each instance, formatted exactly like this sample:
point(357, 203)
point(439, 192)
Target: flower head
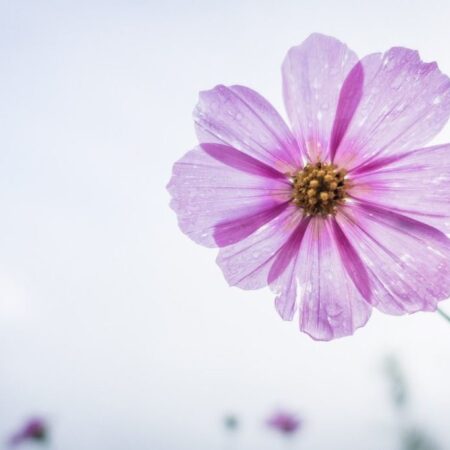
point(34, 429)
point(285, 423)
point(345, 212)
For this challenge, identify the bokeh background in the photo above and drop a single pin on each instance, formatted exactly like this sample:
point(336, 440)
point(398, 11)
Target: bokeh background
point(113, 325)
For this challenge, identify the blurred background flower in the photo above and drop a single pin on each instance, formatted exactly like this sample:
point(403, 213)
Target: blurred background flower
point(284, 422)
point(33, 430)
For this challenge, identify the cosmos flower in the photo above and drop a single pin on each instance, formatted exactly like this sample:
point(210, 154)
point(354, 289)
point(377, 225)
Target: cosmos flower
point(284, 422)
point(345, 212)
point(34, 429)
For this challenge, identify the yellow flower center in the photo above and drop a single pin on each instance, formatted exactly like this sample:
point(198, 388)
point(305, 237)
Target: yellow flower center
point(319, 188)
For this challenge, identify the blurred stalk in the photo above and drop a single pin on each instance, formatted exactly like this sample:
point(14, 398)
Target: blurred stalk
point(412, 437)
point(443, 314)
point(398, 387)
point(231, 424)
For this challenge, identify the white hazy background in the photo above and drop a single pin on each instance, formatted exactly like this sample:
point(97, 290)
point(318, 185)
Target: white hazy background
point(113, 324)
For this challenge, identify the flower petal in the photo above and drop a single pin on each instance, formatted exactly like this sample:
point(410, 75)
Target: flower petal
point(331, 305)
point(408, 261)
point(405, 103)
point(283, 273)
point(222, 195)
point(241, 118)
point(416, 184)
point(247, 263)
point(349, 99)
point(313, 74)
point(282, 276)
point(229, 232)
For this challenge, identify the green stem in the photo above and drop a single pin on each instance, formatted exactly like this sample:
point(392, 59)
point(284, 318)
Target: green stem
point(443, 314)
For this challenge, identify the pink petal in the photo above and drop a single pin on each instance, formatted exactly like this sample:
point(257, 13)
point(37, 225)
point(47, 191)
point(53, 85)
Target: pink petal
point(313, 74)
point(282, 275)
point(247, 263)
point(331, 305)
point(405, 103)
point(416, 184)
point(240, 161)
point(241, 118)
point(353, 264)
point(229, 232)
point(222, 195)
point(289, 251)
point(408, 261)
point(349, 99)
point(287, 266)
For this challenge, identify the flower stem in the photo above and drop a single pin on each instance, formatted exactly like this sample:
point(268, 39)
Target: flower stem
point(443, 314)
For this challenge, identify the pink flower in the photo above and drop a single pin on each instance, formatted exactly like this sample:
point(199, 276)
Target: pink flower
point(33, 430)
point(284, 422)
point(345, 212)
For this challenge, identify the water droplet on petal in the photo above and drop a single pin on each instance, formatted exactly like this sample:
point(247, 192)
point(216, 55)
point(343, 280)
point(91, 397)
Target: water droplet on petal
point(437, 100)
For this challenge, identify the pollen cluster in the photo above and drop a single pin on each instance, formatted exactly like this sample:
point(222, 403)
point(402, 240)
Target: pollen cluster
point(319, 188)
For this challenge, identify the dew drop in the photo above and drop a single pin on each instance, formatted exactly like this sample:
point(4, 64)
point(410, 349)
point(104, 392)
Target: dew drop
point(437, 100)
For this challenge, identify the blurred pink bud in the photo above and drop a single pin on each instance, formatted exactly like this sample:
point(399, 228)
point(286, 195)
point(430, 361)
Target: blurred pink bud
point(286, 423)
point(34, 429)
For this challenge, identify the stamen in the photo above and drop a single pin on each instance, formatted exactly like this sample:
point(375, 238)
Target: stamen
point(319, 188)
